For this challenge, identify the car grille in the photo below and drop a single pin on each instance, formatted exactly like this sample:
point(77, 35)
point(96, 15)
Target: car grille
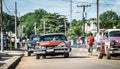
point(50, 47)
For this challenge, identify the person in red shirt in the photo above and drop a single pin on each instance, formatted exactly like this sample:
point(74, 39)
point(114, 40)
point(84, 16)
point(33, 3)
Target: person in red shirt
point(90, 39)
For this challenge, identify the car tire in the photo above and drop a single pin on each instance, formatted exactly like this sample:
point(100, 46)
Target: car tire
point(100, 54)
point(29, 53)
point(43, 57)
point(37, 56)
point(66, 55)
point(108, 54)
point(70, 49)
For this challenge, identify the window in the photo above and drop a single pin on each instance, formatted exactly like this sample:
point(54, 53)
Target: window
point(115, 34)
point(53, 37)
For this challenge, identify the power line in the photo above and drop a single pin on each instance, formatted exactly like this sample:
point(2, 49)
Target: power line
point(83, 15)
point(107, 4)
point(10, 4)
point(7, 8)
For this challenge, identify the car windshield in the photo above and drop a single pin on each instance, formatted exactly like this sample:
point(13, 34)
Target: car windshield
point(35, 38)
point(53, 37)
point(115, 34)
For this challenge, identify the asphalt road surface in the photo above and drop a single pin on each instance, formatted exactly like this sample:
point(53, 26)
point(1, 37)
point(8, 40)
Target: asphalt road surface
point(78, 60)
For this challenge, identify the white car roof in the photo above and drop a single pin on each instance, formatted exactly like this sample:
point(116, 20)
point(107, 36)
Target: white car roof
point(112, 30)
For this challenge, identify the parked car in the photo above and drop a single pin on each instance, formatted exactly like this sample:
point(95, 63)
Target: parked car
point(31, 43)
point(109, 45)
point(52, 45)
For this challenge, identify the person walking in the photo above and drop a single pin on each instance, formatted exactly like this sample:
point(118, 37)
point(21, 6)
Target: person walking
point(90, 39)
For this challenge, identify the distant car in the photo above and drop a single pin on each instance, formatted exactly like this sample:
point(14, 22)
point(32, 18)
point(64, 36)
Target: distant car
point(31, 43)
point(52, 45)
point(109, 45)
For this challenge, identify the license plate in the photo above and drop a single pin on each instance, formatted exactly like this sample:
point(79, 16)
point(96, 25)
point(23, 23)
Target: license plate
point(50, 50)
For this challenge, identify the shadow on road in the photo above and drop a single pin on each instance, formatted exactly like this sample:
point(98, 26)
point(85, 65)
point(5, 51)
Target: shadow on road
point(115, 58)
point(79, 57)
point(61, 57)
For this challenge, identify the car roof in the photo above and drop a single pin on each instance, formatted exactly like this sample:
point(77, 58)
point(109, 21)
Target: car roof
point(52, 34)
point(112, 30)
point(35, 35)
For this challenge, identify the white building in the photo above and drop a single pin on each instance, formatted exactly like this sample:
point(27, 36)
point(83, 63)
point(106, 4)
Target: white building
point(91, 27)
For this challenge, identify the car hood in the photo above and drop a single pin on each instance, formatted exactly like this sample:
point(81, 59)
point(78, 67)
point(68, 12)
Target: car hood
point(50, 43)
point(32, 42)
point(116, 39)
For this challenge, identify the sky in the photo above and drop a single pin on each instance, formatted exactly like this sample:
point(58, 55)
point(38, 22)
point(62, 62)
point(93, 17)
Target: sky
point(62, 7)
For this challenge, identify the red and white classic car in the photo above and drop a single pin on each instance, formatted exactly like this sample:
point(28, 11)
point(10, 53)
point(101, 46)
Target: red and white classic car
point(51, 45)
point(109, 44)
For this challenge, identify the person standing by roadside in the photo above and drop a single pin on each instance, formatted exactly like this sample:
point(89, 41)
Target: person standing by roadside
point(90, 39)
point(13, 42)
point(78, 43)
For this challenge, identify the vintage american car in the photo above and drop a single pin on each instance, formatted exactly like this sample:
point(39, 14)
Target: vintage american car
point(52, 45)
point(32, 40)
point(109, 45)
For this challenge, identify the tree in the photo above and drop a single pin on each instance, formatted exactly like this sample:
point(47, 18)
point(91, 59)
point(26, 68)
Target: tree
point(53, 22)
point(76, 29)
point(108, 19)
point(9, 22)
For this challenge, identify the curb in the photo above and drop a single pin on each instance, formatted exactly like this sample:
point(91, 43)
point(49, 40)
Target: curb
point(12, 62)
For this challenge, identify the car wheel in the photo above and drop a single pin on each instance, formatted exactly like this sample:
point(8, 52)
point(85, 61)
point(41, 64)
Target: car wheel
point(43, 57)
point(66, 55)
point(37, 56)
point(100, 54)
point(70, 49)
point(29, 53)
point(108, 54)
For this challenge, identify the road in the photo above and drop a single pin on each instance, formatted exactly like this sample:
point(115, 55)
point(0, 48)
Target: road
point(78, 60)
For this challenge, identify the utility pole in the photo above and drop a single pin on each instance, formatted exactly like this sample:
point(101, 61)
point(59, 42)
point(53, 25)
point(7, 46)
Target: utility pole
point(15, 24)
point(98, 16)
point(65, 25)
point(70, 14)
point(44, 26)
point(1, 23)
point(83, 15)
point(35, 27)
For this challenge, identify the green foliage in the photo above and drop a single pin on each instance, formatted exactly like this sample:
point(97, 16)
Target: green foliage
point(54, 22)
point(108, 19)
point(9, 22)
point(76, 29)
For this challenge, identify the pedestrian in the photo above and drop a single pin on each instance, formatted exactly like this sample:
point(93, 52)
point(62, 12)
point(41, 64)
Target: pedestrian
point(78, 43)
point(13, 42)
point(90, 39)
point(5, 42)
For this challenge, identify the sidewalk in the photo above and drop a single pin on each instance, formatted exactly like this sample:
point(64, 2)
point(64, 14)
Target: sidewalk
point(9, 58)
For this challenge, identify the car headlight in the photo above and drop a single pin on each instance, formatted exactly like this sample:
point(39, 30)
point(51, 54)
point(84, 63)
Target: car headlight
point(62, 44)
point(112, 43)
point(37, 46)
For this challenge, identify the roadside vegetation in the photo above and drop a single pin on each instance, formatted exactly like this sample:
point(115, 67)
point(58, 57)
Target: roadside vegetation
point(55, 22)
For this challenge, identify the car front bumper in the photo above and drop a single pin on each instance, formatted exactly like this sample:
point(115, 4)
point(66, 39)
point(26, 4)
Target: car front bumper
point(52, 51)
point(115, 51)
